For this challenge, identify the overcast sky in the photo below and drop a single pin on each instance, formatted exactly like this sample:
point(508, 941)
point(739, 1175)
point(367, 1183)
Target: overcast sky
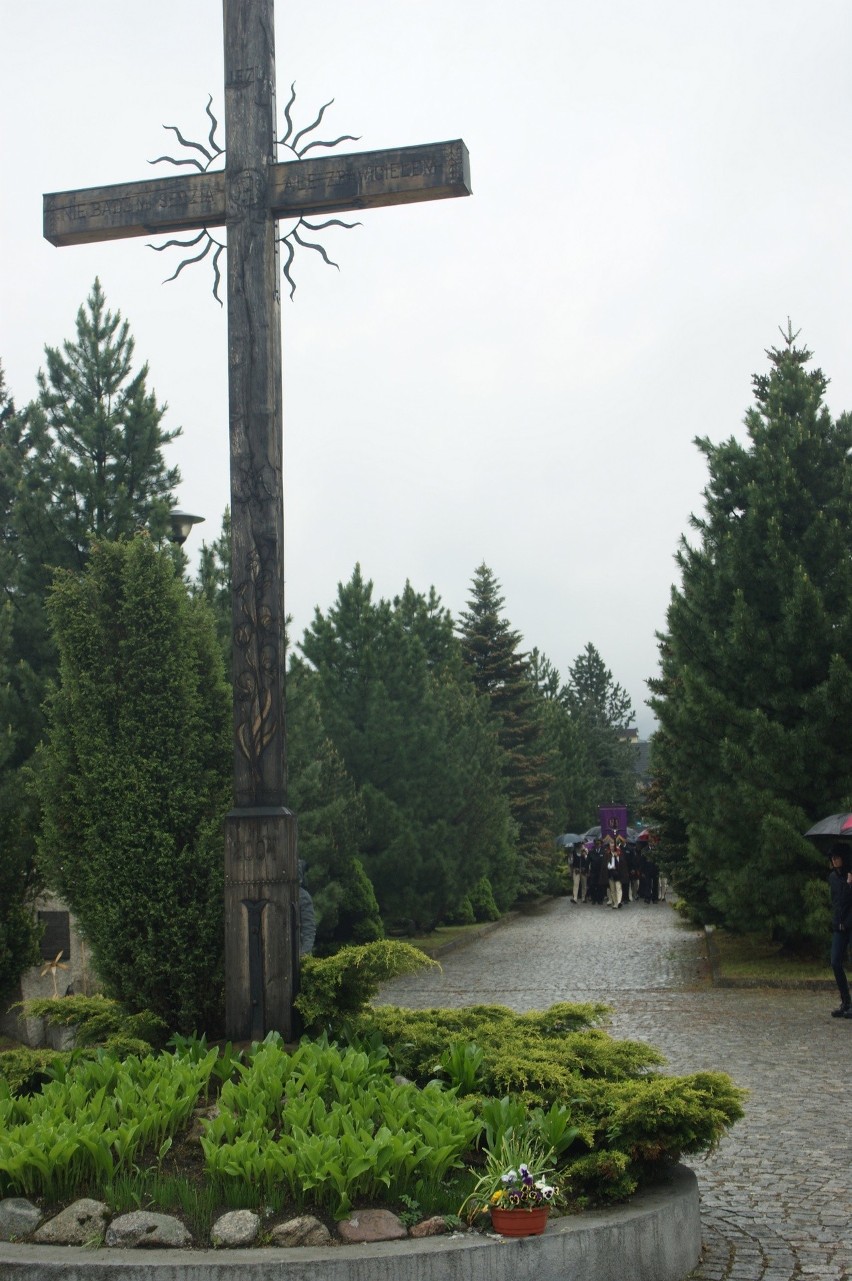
point(516, 377)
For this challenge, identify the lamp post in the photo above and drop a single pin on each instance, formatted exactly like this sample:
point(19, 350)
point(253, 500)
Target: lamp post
point(181, 524)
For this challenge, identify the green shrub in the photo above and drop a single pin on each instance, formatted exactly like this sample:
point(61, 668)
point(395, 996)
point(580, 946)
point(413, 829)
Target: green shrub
point(333, 989)
point(100, 1021)
point(599, 1102)
point(131, 830)
point(540, 1054)
point(462, 914)
point(24, 1070)
point(666, 1116)
point(483, 902)
point(327, 1126)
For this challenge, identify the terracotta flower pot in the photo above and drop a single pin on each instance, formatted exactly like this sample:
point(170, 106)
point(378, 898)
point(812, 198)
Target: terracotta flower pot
point(520, 1223)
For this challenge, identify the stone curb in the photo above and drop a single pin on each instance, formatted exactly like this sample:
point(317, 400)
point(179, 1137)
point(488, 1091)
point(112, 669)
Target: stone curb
point(718, 979)
point(654, 1237)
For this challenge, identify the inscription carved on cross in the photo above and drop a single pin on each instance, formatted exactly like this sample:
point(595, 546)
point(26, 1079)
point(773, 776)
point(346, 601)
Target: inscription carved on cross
point(248, 197)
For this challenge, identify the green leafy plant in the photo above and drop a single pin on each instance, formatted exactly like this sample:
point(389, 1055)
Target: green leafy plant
point(411, 1213)
point(331, 1126)
point(462, 1063)
point(93, 1120)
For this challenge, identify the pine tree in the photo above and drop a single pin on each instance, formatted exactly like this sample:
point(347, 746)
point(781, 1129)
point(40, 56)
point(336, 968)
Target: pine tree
point(414, 740)
point(331, 822)
point(133, 780)
point(754, 694)
point(501, 674)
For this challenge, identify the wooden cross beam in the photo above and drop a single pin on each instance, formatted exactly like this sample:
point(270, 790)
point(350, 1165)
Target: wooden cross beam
point(328, 184)
point(248, 197)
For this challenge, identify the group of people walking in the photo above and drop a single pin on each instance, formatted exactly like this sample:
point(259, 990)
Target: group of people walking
point(614, 871)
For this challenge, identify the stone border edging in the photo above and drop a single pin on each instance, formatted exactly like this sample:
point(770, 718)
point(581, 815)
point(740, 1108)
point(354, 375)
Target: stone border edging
point(718, 979)
point(654, 1237)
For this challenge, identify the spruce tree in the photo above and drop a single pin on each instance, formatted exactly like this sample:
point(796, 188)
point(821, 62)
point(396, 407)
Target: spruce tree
point(501, 674)
point(87, 461)
point(754, 694)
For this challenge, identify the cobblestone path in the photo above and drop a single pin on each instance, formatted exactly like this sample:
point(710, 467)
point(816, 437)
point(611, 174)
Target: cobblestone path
point(776, 1195)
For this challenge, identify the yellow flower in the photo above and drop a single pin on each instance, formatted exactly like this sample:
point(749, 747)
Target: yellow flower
point(497, 1196)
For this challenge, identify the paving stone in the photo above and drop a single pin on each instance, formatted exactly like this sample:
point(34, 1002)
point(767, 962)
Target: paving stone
point(769, 1193)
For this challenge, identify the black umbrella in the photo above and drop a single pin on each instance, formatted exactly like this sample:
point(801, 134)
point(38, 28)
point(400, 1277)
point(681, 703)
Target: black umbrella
point(835, 826)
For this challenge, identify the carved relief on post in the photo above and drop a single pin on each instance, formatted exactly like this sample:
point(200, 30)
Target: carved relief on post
point(258, 674)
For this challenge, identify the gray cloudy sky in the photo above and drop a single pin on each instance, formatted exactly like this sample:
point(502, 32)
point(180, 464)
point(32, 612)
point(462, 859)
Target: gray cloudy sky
point(517, 377)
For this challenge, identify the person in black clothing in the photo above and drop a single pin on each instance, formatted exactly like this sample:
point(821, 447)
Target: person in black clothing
point(840, 884)
point(579, 873)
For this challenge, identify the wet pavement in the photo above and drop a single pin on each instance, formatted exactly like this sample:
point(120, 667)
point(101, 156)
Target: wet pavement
point(776, 1194)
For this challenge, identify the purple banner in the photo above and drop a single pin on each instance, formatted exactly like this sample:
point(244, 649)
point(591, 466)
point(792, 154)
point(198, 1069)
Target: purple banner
point(613, 820)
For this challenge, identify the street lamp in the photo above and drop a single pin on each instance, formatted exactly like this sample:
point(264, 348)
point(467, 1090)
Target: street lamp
point(180, 525)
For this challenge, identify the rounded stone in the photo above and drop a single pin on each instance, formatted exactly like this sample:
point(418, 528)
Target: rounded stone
point(142, 1229)
point(236, 1228)
point(371, 1225)
point(80, 1223)
point(303, 1230)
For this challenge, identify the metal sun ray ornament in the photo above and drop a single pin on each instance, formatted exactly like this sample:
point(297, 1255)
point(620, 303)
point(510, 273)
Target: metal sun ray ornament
point(213, 152)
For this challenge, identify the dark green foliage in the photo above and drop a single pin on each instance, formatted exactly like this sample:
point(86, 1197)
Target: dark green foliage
point(19, 879)
point(331, 823)
point(413, 738)
point(502, 675)
point(83, 460)
point(336, 988)
point(133, 780)
point(214, 584)
point(482, 901)
point(754, 695)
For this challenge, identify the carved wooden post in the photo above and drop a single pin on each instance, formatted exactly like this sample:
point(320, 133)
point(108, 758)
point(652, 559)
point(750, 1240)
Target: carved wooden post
point(260, 845)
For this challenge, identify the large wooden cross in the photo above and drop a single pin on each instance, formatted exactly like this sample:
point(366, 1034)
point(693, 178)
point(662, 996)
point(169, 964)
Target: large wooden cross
point(248, 197)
